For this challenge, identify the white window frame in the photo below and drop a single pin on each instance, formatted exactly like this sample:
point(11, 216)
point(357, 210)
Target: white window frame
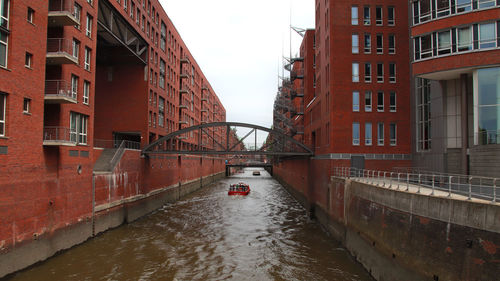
point(74, 86)
point(380, 21)
point(392, 79)
point(367, 49)
point(391, 50)
point(393, 21)
point(380, 49)
point(443, 50)
point(125, 4)
point(78, 134)
point(486, 4)
point(355, 101)
point(368, 140)
point(86, 92)
point(2, 18)
point(355, 43)
point(494, 40)
point(354, 18)
point(380, 107)
point(6, 44)
point(26, 105)
point(467, 6)
point(88, 29)
point(368, 108)
point(392, 107)
point(368, 76)
point(366, 20)
point(77, 13)
point(470, 45)
point(380, 76)
point(393, 141)
point(75, 49)
point(355, 77)
point(443, 12)
point(355, 141)
point(380, 134)
point(88, 54)
point(28, 62)
point(3, 115)
point(30, 15)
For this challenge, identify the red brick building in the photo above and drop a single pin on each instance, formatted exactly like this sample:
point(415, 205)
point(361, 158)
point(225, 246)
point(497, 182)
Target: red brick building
point(77, 78)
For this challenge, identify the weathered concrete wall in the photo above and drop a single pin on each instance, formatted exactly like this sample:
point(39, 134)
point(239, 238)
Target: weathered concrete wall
point(398, 235)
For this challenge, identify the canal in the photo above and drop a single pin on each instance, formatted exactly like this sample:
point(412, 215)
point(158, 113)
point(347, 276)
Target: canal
point(209, 235)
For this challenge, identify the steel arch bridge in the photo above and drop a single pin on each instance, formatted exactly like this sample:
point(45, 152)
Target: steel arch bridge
point(219, 138)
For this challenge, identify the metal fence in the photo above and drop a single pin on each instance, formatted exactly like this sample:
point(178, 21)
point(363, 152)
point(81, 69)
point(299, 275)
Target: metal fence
point(59, 88)
point(469, 186)
point(59, 45)
point(116, 144)
point(57, 134)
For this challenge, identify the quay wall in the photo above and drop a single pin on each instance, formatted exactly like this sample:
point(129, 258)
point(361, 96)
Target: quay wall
point(43, 215)
point(398, 235)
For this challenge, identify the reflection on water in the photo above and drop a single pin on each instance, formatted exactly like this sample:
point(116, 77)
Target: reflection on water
point(211, 236)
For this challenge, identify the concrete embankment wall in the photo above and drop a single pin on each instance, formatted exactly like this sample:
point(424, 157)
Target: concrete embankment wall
point(398, 235)
point(136, 187)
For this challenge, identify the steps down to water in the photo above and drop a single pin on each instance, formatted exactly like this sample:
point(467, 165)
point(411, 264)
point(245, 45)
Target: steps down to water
point(103, 164)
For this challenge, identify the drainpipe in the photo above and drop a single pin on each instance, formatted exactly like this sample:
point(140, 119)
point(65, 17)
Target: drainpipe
point(93, 204)
point(464, 120)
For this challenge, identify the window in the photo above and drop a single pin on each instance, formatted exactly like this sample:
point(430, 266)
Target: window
point(464, 38)
point(91, 2)
point(423, 47)
point(355, 101)
point(380, 44)
point(487, 35)
point(368, 43)
point(380, 101)
point(486, 3)
point(138, 17)
point(368, 133)
point(75, 48)
point(150, 118)
point(380, 72)
point(355, 133)
point(4, 14)
point(368, 72)
point(368, 101)
point(86, 92)
point(163, 40)
point(422, 11)
point(378, 15)
point(442, 8)
point(390, 15)
point(31, 15)
point(26, 105)
point(74, 86)
point(354, 15)
point(161, 112)
point(392, 134)
point(87, 58)
point(132, 10)
point(444, 42)
point(423, 115)
point(392, 44)
point(143, 22)
point(366, 15)
point(487, 106)
point(3, 103)
point(392, 101)
point(125, 4)
point(463, 6)
point(355, 72)
point(355, 44)
point(88, 31)
point(28, 60)
point(3, 48)
point(380, 134)
point(77, 13)
point(162, 74)
point(78, 128)
point(392, 72)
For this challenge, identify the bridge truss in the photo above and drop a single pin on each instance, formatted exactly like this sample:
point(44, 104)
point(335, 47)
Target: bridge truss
point(219, 138)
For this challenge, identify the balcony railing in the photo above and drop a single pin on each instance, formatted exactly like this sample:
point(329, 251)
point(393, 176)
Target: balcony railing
point(59, 91)
point(60, 51)
point(61, 13)
point(488, 137)
point(183, 106)
point(116, 143)
point(56, 136)
point(184, 60)
point(297, 74)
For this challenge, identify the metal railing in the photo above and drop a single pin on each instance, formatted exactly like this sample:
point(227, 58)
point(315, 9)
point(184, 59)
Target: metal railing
point(488, 137)
point(116, 143)
point(60, 45)
point(118, 155)
point(59, 88)
point(469, 186)
point(57, 134)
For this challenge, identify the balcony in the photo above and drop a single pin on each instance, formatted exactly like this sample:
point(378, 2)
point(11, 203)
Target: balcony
point(57, 136)
point(184, 60)
point(184, 75)
point(183, 106)
point(60, 13)
point(297, 74)
point(183, 91)
point(59, 51)
point(58, 92)
point(204, 98)
point(298, 92)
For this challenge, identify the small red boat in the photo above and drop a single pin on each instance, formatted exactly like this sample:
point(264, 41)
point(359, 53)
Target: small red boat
point(239, 189)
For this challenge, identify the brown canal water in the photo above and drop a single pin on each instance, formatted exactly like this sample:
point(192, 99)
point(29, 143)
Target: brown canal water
point(209, 235)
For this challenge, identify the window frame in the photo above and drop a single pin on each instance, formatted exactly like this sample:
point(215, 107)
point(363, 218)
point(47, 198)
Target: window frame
point(74, 86)
point(393, 140)
point(379, 21)
point(380, 49)
point(391, 50)
point(380, 134)
point(355, 43)
point(3, 114)
point(368, 97)
point(30, 17)
point(367, 43)
point(88, 26)
point(87, 58)
point(490, 41)
point(366, 19)
point(355, 130)
point(380, 72)
point(392, 106)
point(380, 106)
point(77, 13)
point(392, 76)
point(355, 78)
point(354, 19)
point(368, 128)
point(391, 22)
point(86, 92)
point(355, 101)
point(28, 61)
point(368, 74)
point(27, 106)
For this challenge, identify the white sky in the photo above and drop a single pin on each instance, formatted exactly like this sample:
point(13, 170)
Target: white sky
point(238, 45)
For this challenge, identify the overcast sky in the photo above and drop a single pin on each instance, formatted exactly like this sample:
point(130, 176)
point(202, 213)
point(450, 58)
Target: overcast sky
point(238, 45)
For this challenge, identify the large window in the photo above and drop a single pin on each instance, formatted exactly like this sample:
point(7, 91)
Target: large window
point(77, 13)
point(380, 101)
point(75, 48)
point(392, 72)
point(423, 115)
point(4, 14)
point(161, 112)
point(78, 128)
point(392, 134)
point(378, 16)
point(380, 72)
point(162, 74)
point(368, 72)
point(74, 86)
point(368, 43)
point(3, 105)
point(487, 35)
point(86, 92)
point(380, 44)
point(355, 101)
point(163, 40)
point(390, 16)
point(366, 15)
point(88, 30)
point(368, 133)
point(87, 59)
point(464, 39)
point(425, 10)
point(4, 25)
point(488, 106)
point(444, 42)
point(392, 101)
point(355, 133)
point(392, 44)
point(368, 101)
